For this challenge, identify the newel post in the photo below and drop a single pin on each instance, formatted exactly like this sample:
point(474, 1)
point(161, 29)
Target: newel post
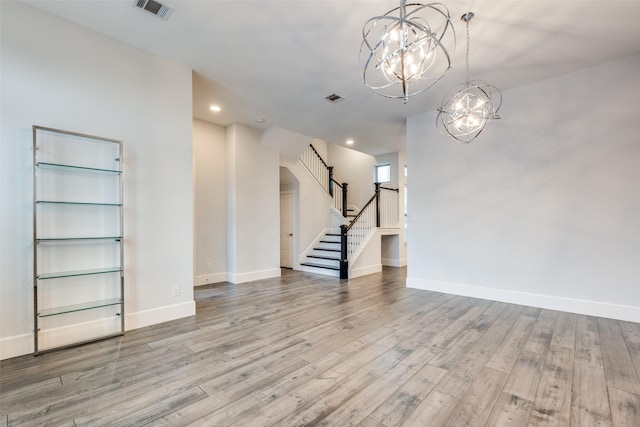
point(344, 199)
point(344, 261)
point(330, 180)
point(377, 204)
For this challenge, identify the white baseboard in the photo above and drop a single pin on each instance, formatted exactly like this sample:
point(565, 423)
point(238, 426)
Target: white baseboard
point(363, 271)
point(235, 278)
point(206, 279)
point(16, 345)
point(551, 302)
point(60, 336)
point(253, 275)
point(394, 262)
point(143, 318)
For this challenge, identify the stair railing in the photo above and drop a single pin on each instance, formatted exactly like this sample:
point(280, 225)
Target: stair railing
point(356, 233)
point(388, 207)
point(377, 212)
point(323, 173)
point(319, 169)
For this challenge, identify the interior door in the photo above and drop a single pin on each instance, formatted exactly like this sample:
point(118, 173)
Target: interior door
point(286, 230)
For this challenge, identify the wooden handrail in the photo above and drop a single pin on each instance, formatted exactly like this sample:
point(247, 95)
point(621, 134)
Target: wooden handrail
point(397, 190)
point(323, 174)
point(319, 156)
point(361, 212)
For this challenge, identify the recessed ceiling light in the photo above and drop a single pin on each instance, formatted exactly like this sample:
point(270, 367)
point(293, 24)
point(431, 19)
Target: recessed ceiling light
point(261, 120)
point(215, 108)
point(349, 142)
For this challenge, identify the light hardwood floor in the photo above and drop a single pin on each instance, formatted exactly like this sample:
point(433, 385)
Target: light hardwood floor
point(308, 350)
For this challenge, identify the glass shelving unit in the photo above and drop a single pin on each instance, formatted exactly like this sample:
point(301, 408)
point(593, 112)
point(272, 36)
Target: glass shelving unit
point(78, 247)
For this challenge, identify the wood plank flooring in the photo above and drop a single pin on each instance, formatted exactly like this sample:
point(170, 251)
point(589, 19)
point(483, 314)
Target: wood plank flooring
point(305, 349)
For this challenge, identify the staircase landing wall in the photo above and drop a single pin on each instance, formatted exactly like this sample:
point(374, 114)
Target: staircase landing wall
point(312, 209)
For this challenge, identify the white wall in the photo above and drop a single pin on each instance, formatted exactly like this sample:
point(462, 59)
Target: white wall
point(289, 144)
point(312, 209)
point(543, 209)
point(209, 157)
point(59, 75)
point(354, 168)
point(253, 206)
point(369, 260)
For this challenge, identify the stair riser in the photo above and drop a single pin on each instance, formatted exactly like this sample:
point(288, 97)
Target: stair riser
point(328, 245)
point(327, 262)
point(326, 252)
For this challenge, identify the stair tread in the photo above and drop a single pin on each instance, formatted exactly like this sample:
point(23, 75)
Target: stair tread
point(326, 267)
point(326, 249)
point(324, 257)
point(329, 241)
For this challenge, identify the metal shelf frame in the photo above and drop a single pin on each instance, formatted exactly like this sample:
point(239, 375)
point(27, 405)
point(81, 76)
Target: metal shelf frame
point(40, 309)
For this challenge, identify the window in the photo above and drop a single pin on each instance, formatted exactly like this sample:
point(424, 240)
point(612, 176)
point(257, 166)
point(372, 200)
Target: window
point(383, 173)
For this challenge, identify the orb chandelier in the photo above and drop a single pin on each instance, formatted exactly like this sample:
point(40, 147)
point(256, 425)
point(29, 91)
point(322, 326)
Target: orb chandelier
point(407, 50)
point(464, 114)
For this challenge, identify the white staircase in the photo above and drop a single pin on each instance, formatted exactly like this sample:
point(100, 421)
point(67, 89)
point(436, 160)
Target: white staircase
point(325, 256)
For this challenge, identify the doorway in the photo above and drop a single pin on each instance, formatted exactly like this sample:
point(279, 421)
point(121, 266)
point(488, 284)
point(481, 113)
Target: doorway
point(286, 230)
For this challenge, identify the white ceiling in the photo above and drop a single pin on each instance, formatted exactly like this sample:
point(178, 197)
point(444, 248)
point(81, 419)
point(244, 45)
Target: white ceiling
point(278, 60)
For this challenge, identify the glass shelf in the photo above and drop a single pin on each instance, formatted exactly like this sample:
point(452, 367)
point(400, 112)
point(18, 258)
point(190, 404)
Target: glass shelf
point(77, 203)
point(82, 168)
point(60, 274)
point(67, 239)
point(54, 311)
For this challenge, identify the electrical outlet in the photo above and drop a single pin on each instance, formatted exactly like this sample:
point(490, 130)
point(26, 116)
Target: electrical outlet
point(176, 291)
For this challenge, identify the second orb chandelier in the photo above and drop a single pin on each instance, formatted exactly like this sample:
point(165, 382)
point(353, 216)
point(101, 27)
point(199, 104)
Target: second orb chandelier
point(464, 114)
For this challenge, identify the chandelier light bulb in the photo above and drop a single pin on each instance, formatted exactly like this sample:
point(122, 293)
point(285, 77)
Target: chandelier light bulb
point(399, 49)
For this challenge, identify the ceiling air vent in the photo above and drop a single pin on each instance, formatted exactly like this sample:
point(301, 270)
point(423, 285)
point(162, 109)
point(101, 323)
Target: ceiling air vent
point(334, 98)
point(160, 10)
